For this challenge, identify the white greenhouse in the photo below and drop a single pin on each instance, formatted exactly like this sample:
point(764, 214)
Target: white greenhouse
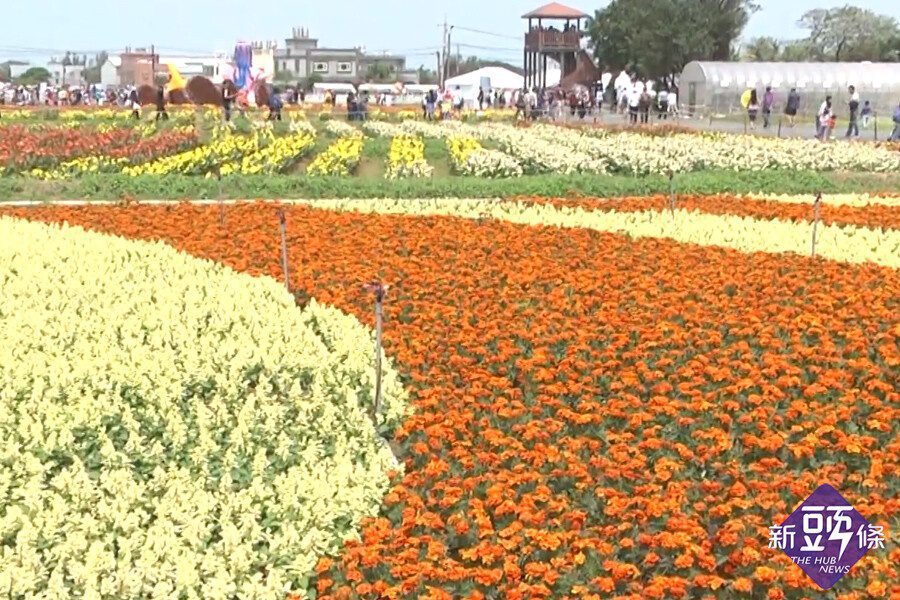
point(718, 86)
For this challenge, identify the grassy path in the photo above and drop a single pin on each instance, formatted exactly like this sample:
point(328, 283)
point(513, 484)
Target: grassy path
point(374, 158)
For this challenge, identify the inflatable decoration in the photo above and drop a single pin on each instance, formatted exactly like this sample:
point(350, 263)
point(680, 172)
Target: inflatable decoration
point(176, 86)
point(243, 60)
point(202, 91)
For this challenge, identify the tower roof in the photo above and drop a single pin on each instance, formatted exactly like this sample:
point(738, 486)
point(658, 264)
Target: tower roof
point(555, 10)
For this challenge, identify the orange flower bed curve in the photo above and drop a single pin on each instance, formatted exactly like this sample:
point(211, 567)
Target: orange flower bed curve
point(595, 417)
point(873, 216)
point(21, 148)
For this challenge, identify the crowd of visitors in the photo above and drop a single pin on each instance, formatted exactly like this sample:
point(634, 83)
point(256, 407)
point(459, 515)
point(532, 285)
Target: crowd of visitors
point(68, 95)
point(636, 99)
point(858, 112)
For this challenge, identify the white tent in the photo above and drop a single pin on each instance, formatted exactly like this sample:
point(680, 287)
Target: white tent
point(337, 88)
point(496, 78)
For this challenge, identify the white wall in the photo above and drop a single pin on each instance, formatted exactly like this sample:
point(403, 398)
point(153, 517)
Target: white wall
point(109, 75)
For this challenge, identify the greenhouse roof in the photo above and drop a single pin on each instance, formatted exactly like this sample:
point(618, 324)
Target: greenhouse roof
point(803, 75)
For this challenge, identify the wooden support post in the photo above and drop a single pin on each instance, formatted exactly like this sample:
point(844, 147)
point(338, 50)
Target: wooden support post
point(544, 72)
point(282, 222)
point(525, 63)
point(816, 215)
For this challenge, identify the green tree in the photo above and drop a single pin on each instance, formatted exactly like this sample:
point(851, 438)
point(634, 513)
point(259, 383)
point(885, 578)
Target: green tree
point(427, 75)
point(851, 33)
point(656, 38)
point(92, 73)
point(379, 72)
point(311, 80)
point(762, 49)
point(725, 20)
point(283, 76)
point(33, 76)
point(5, 73)
point(799, 51)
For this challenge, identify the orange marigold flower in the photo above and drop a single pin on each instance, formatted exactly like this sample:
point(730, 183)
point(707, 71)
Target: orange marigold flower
point(742, 584)
point(765, 575)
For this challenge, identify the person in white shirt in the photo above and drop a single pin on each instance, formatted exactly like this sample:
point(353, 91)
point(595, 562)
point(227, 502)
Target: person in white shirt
point(634, 101)
point(823, 120)
point(662, 104)
point(672, 101)
point(458, 100)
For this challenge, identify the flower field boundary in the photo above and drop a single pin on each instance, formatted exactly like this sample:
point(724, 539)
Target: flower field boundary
point(595, 417)
point(877, 216)
point(839, 242)
point(857, 200)
point(844, 244)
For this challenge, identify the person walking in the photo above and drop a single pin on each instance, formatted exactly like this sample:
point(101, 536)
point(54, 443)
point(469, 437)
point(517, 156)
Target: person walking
point(161, 104)
point(895, 135)
point(662, 104)
point(275, 104)
point(135, 105)
point(634, 103)
point(644, 105)
point(229, 92)
point(792, 106)
point(853, 105)
point(753, 109)
point(673, 101)
point(767, 105)
point(521, 103)
point(866, 114)
point(823, 119)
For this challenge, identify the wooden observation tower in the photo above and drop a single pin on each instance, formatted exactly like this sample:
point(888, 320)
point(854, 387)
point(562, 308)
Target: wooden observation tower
point(559, 40)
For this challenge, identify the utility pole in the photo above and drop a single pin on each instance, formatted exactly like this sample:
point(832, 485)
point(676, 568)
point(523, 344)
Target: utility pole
point(447, 51)
point(439, 64)
point(442, 71)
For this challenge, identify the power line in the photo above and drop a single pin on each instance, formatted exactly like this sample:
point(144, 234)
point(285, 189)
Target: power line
point(490, 48)
point(490, 33)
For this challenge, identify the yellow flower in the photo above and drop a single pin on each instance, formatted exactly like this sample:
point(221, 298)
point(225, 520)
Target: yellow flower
point(162, 414)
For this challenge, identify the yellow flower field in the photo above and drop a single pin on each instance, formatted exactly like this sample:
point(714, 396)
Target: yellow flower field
point(173, 428)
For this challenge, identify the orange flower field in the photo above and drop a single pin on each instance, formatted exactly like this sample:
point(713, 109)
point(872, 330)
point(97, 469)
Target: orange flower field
point(872, 215)
point(593, 415)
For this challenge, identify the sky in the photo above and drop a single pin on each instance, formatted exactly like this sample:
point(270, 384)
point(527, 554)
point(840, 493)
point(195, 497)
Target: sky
point(35, 30)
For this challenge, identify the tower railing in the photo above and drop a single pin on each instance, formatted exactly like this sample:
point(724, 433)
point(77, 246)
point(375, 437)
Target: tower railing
point(544, 39)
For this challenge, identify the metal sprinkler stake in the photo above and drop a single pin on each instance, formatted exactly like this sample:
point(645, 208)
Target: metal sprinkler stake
point(816, 215)
point(380, 291)
point(282, 221)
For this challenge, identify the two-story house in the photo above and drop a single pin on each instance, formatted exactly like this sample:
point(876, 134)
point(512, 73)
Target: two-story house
point(302, 58)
